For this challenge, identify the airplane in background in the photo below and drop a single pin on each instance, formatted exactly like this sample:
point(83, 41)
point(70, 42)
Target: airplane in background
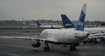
point(94, 32)
point(47, 26)
point(68, 25)
point(70, 37)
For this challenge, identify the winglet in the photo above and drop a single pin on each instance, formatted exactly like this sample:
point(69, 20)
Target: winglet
point(81, 21)
point(67, 22)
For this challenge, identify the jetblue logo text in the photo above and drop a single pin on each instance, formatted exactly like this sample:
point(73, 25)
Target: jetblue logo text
point(68, 24)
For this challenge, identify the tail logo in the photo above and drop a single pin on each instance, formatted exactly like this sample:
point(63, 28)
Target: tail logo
point(68, 24)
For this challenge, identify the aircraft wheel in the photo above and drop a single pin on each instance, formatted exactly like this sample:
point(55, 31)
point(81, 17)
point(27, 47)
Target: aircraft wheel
point(95, 42)
point(72, 47)
point(84, 42)
point(46, 49)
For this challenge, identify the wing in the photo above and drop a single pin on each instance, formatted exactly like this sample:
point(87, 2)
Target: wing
point(28, 38)
point(97, 35)
point(16, 37)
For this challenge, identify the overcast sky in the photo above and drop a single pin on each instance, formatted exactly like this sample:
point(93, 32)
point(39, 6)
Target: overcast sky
point(50, 9)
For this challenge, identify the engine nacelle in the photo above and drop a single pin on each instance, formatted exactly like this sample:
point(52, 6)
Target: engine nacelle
point(35, 43)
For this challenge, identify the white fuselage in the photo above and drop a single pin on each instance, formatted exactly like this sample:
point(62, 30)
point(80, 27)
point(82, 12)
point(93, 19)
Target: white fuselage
point(64, 35)
point(93, 32)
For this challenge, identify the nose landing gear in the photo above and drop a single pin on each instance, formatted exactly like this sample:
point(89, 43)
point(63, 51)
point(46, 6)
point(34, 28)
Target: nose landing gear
point(46, 48)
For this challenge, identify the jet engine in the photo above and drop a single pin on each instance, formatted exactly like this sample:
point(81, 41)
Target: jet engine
point(35, 43)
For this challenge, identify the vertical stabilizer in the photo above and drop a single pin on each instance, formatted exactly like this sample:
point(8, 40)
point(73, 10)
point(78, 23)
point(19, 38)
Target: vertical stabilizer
point(38, 23)
point(81, 21)
point(67, 22)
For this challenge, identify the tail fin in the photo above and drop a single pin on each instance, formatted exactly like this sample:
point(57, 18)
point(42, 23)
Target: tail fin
point(66, 22)
point(38, 23)
point(81, 21)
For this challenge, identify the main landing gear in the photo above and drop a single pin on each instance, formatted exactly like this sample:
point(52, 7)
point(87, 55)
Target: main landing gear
point(46, 48)
point(72, 47)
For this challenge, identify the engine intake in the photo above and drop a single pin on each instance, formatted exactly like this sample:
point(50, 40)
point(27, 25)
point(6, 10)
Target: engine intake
point(35, 43)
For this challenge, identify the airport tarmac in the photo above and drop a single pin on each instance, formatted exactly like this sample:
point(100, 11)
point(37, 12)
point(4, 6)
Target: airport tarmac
point(21, 47)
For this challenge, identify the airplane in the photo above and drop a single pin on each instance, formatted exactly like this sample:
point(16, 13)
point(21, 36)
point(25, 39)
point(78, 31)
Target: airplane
point(47, 26)
point(64, 36)
point(94, 32)
point(70, 37)
point(68, 24)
